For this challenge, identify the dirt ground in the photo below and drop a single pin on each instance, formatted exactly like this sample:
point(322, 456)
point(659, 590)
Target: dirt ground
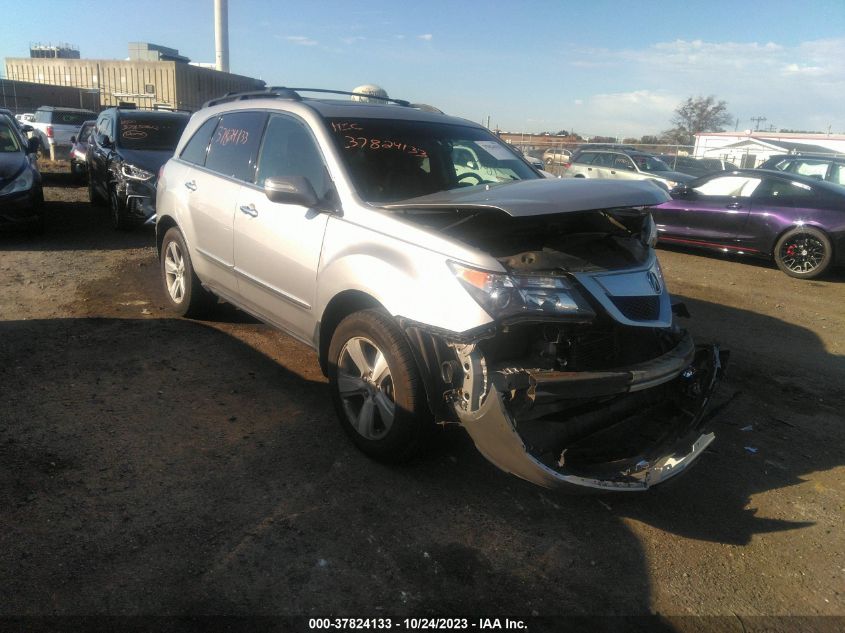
point(155, 465)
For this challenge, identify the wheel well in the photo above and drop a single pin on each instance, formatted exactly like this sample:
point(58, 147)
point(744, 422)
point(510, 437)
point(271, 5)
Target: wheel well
point(579, 176)
point(164, 224)
point(340, 307)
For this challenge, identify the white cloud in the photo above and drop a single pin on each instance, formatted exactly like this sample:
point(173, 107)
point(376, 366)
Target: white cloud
point(352, 40)
point(301, 40)
point(426, 37)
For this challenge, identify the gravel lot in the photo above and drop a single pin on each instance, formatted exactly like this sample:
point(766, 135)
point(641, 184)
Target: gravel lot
point(154, 465)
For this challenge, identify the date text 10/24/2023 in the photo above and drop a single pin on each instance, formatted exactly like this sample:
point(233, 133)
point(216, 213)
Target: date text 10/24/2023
point(417, 624)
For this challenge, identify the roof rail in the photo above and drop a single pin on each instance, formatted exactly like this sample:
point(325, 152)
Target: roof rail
point(283, 92)
point(278, 92)
point(400, 102)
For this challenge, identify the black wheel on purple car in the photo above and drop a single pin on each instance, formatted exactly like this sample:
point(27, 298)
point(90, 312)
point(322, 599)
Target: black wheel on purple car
point(804, 252)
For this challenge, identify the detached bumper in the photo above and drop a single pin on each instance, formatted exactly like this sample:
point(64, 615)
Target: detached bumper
point(681, 383)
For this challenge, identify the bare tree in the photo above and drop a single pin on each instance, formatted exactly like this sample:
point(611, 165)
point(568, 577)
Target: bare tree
point(697, 114)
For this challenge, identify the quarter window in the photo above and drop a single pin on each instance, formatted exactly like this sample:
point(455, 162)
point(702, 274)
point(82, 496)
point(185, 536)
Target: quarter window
point(234, 145)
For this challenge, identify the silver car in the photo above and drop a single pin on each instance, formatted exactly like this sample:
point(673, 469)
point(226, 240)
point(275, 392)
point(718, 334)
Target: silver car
point(625, 165)
point(441, 289)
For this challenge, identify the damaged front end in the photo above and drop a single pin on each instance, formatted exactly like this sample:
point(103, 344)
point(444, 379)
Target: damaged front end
point(583, 379)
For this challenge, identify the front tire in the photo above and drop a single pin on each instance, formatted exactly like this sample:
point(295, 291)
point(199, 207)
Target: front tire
point(117, 209)
point(182, 287)
point(376, 388)
point(804, 253)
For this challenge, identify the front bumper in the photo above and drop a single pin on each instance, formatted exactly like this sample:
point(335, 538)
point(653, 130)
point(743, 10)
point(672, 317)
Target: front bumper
point(674, 389)
point(20, 209)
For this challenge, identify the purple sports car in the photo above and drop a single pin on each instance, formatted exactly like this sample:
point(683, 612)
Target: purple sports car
point(797, 220)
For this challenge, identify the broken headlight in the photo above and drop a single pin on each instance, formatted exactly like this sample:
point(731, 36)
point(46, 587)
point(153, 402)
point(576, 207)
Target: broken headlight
point(135, 173)
point(508, 296)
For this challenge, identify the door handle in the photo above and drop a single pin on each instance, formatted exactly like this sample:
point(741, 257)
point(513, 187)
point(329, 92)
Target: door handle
point(589, 169)
point(192, 185)
point(250, 210)
point(733, 205)
point(612, 172)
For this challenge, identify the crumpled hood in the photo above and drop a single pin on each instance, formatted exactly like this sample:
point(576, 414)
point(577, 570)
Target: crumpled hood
point(544, 196)
point(151, 160)
point(11, 164)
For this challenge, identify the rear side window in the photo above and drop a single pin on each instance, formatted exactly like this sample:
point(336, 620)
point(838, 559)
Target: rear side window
point(197, 147)
point(234, 145)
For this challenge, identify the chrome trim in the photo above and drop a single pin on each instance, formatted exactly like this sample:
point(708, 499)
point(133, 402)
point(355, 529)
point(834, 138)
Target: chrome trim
point(215, 260)
point(272, 289)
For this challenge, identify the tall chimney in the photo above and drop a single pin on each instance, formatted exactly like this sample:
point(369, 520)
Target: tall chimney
point(221, 35)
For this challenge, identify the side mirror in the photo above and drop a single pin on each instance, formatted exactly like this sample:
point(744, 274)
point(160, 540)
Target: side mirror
point(73, 139)
point(106, 141)
point(291, 190)
point(33, 145)
point(682, 191)
point(26, 129)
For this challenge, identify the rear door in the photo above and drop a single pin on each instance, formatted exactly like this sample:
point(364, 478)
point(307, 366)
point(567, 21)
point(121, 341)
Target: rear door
point(222, 155)
point(713, 214)
point(277, 246)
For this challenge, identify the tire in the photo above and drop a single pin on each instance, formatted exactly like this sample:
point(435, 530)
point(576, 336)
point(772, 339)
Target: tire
point(93, 197)
point(182, 288)
point(367, 402)
point(117, 211)
point(804, 252)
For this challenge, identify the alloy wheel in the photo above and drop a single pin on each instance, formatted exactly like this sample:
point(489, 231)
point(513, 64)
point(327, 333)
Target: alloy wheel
point(802, 254)
point(365, 386)
point(174, 272)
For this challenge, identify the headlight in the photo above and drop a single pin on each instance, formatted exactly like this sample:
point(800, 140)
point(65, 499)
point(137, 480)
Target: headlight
point(22, 183)
point(648, 232)
point(509, 296)
point(135, 173)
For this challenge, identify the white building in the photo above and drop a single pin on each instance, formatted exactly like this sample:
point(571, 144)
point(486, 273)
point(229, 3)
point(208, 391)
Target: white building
point(749, 149)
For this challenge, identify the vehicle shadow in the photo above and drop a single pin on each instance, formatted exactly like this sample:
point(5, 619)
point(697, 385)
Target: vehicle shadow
point(166, 466)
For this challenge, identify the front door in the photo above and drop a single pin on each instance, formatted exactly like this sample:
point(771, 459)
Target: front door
point(277, 246)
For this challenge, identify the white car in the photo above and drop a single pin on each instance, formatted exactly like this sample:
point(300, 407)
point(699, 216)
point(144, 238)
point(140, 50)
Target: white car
point(441, 279)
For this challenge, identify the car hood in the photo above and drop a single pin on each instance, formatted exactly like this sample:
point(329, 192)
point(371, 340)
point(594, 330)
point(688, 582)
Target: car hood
point(544, 197)
point(11, 164)
point(151, 160)
point(677, 176)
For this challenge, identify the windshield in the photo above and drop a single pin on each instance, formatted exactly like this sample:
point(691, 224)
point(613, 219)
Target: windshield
point(151, 133)
point(390, 160)
point(9, 141)
point(649, 163)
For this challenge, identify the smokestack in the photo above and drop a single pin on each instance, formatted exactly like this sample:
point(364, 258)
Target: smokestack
point(221, 35)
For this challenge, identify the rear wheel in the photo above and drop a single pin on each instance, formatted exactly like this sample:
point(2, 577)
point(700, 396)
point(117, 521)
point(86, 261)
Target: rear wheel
point(182, 287)
point(804, 252)
point(376, 388)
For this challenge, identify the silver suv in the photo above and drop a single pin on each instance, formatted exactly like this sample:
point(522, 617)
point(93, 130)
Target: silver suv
point(531, 311)
point(625, 165)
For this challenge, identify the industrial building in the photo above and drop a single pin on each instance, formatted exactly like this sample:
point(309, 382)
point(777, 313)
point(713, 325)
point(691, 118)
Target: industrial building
point(750, 149)
point(153, 76)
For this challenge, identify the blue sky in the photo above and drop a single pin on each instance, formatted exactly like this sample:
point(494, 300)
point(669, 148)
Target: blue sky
point(596, 66)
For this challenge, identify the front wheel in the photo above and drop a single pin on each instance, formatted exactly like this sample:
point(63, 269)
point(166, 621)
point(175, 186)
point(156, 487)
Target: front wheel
point(117, 207)
point(376, 388)
point(804, 253)
point(182, 287)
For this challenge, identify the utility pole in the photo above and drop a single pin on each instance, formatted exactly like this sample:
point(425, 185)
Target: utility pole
point(757, 121)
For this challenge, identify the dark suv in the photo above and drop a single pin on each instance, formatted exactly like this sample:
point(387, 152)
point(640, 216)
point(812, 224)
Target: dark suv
point(821, 166)
point(126, 151)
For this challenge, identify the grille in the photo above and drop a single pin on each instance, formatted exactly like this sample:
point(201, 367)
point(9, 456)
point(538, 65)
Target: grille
point(638, 308)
